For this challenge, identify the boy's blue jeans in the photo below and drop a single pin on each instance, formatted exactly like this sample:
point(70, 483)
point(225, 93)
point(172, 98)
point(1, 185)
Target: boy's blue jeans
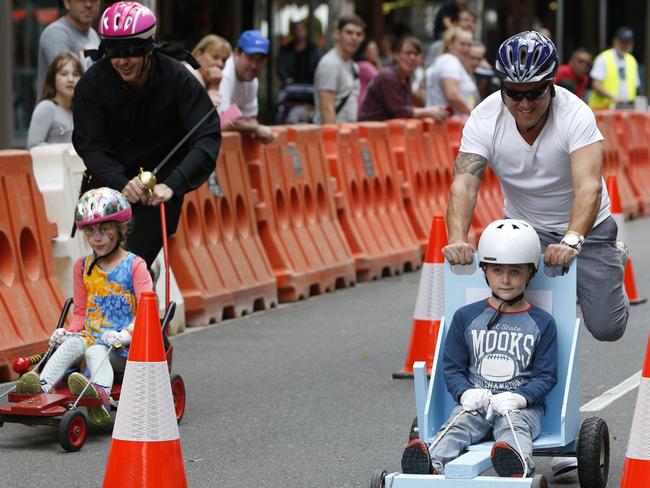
point(472, 428)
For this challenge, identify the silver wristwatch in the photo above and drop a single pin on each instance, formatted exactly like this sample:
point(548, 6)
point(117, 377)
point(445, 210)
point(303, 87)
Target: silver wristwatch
point(573, 240)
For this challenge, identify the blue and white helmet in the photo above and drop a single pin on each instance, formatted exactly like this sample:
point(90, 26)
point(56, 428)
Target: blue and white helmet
point(527, 57)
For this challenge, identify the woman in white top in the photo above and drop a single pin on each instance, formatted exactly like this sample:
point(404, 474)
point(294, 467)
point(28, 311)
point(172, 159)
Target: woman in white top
point(52, 118)
point(211, 52)
point(448, 82)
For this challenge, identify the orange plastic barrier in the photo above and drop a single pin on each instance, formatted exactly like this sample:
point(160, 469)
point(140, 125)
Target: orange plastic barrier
point(375, 249)
point(30, 294)
point(615, 161)
point(217, 254)
point(419, 190)
point(631, 127)
point(455, 127)
point(387, 184)
point(489, 205)
point(296, 214)
point(439, 155)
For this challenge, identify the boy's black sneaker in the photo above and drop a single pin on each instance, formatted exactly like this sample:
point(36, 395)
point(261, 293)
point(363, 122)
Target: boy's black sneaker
point(506, 461)
point(416, 459)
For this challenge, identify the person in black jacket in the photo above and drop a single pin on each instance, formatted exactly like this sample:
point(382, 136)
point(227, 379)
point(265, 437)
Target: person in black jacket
point(130, 109)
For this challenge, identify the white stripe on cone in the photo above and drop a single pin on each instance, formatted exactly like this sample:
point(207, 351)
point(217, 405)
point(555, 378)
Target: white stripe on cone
point(639, 444)
point(431, 293)
point(147, 413)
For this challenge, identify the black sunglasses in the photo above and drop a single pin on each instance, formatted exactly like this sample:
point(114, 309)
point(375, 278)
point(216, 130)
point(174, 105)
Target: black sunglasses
point(532, 95)
point(125, 51)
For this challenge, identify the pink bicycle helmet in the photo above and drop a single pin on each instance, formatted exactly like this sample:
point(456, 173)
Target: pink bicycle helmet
point(101, 205)
point(127, 20)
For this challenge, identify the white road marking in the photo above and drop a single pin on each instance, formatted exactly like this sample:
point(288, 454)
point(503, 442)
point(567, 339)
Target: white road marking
point(612, 394)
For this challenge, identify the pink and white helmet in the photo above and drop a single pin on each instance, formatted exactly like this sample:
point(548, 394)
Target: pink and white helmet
point(127, 20)
point(101, 205)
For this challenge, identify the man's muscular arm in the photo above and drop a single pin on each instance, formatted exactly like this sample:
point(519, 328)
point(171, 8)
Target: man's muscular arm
point(468, 173)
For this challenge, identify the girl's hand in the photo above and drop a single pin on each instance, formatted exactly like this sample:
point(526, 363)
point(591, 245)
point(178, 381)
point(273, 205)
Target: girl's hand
point(58, 337)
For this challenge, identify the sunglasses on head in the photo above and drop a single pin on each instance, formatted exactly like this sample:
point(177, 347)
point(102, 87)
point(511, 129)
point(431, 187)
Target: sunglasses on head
point(532, 95)
point(125, 51)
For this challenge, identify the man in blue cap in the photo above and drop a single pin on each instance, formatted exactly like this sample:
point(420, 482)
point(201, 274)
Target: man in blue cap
point(239, 86)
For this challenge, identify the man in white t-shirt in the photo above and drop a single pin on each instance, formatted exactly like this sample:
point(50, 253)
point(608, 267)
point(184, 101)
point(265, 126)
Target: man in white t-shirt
point(336, 81)
point(543, 144)
point(239, 85)
point(72, 33)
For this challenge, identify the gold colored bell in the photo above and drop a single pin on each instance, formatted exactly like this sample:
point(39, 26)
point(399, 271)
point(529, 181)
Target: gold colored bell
point(147, 180)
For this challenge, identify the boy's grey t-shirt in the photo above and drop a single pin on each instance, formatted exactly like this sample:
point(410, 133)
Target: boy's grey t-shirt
point(335, 74)
point(61, 36)
point(50, 124)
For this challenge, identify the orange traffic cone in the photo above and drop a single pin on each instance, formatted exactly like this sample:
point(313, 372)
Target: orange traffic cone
point(146, 448)
point(617, 213)
point(636, 469)
point(430, 302)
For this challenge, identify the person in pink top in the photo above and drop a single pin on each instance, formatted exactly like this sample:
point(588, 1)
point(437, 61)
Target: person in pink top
point(107, 284)
point(367, 58)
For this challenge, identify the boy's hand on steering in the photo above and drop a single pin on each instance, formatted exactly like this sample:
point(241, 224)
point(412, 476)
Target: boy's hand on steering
point(508, 401)
point(475, 399)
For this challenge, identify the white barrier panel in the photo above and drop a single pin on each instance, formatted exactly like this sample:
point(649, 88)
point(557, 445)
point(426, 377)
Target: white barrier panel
point(58, 171)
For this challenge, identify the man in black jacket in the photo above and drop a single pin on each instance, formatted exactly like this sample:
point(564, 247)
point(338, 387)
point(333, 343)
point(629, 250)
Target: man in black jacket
point(130, 109)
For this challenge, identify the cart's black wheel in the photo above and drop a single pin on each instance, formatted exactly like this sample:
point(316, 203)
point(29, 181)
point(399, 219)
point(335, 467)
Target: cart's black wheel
point(593, 453)
point(415, 432)
point(378, 478)
point(539, 481)
point(73, 430)
point(178, 392)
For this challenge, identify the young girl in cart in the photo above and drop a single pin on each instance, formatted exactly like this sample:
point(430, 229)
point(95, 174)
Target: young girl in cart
point(499, 362)
point(106, 286)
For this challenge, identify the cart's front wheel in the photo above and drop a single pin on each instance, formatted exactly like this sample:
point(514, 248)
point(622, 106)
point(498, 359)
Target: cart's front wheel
point(178, 393)
point(378, 479)
point(593, 453)
point(73, 430)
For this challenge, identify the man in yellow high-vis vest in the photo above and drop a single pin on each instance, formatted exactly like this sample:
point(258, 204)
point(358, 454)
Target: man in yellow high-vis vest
point(615, 74)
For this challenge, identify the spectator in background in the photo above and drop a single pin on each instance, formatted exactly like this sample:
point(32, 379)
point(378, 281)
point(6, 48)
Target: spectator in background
point(615, 74)
point(52, 118)
point(336, 84)
point(296, 67)
point(577, 72)
point(466, 20)
point(446, 17)
point(239, 85)
point(475, 57)
point(389, 94)
point(297, 60)
point(72, 33)
point(367, 58)
point(448, 82)
point(386, 49)
point(211, 53)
